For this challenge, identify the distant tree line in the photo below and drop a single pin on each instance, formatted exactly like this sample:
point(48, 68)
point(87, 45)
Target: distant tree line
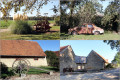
point(33, 18)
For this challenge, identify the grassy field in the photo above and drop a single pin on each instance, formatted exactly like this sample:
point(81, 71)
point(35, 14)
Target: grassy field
point(6, 24)
point(39, 36)
point(105, 36)
point(36, 71)
point(54, 34)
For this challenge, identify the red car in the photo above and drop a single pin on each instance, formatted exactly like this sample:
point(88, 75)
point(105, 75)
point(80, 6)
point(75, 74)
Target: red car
point(86, 29)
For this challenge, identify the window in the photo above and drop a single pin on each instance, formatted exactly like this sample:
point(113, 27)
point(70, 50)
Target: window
point(35, 58)
point(79, 67)
point(90, 26)
point(84, 26)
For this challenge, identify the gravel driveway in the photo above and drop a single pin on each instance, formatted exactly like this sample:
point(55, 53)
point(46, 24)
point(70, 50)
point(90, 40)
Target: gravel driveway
point(106, 75)
point(55, 76)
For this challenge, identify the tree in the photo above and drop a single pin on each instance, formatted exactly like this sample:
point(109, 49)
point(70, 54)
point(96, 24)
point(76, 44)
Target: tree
point(111, 19)
point(52, 58)
point(113, 43)
point(29, 6)
point(73, 12)
point(117, 59)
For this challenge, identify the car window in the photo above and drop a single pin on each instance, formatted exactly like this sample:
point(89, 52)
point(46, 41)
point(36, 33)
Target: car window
point(84, 25)
point(90, 26)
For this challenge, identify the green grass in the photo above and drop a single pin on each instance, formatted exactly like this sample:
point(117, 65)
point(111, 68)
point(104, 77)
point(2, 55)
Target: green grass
point(36, 71)
point(57, 28)
point(42, 36)
point(5, 24)
point(106, 36)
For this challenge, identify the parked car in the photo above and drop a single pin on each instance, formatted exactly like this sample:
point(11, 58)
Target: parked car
point(86, 29)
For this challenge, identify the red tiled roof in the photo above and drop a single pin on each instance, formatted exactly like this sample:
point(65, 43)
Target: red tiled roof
point(61, 48)
point(20, 48)
point(57, 53)
point(106, 60)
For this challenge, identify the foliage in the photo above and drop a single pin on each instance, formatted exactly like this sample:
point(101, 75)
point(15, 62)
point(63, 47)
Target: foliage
point(89, 10)
point(113, 44)
point(5, 24)
point(117, 59)
point(5, 72)
point(111, 19)
point(77, 13)
point(109, 66)
point(52, 58)
point(57, 21)
point(20, 27)
point(29, 6)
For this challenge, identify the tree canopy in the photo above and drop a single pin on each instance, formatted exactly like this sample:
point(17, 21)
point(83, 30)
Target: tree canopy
point(52, 58)
point(114, 44)
point(117, 59)
point(27, 5)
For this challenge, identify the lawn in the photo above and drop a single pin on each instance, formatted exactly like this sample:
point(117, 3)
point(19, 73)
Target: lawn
point(39, 36)
point(36, 71)
point(105, 36)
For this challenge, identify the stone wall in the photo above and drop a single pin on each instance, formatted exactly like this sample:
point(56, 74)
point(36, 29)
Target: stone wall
point(67, 60)
point(35, 63)
point(94, 62)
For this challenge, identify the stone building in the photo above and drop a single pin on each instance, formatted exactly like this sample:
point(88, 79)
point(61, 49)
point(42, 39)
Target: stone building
point(81, 62)
point(95, 61)
point(10, 50)
point(67, 58)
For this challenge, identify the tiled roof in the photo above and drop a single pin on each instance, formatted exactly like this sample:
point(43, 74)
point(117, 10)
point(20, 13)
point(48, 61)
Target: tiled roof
point(80, 59)
point(61, 48)
point(106, 60)
point(20, 48)
point(57, 53)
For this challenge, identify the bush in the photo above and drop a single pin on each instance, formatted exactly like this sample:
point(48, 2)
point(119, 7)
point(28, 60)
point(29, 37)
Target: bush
point(57, 21)
point(20, 27)
point(5, 72)
point(109, 66)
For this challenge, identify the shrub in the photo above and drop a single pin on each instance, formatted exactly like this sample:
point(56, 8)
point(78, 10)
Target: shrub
point(20, 27)
point(109, 66)
point(5, 72)
point(57, 21)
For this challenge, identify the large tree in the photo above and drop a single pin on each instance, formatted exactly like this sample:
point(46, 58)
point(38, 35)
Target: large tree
point(111, 19)
point(73, 12)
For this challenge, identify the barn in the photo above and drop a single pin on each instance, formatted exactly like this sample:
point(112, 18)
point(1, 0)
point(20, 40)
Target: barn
point(11, 50)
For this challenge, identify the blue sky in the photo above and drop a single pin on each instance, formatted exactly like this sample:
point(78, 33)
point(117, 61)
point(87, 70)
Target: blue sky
point(45, 9)
point(105, 3)
point(52, 45)
point(83, 48)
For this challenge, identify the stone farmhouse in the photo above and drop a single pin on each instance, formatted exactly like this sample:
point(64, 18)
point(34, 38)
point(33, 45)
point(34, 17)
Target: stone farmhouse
point(68, 59)
point(10, 50)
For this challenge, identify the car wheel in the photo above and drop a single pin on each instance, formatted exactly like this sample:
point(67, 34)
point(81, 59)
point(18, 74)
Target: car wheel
point(96, 33)
point(74, 33)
